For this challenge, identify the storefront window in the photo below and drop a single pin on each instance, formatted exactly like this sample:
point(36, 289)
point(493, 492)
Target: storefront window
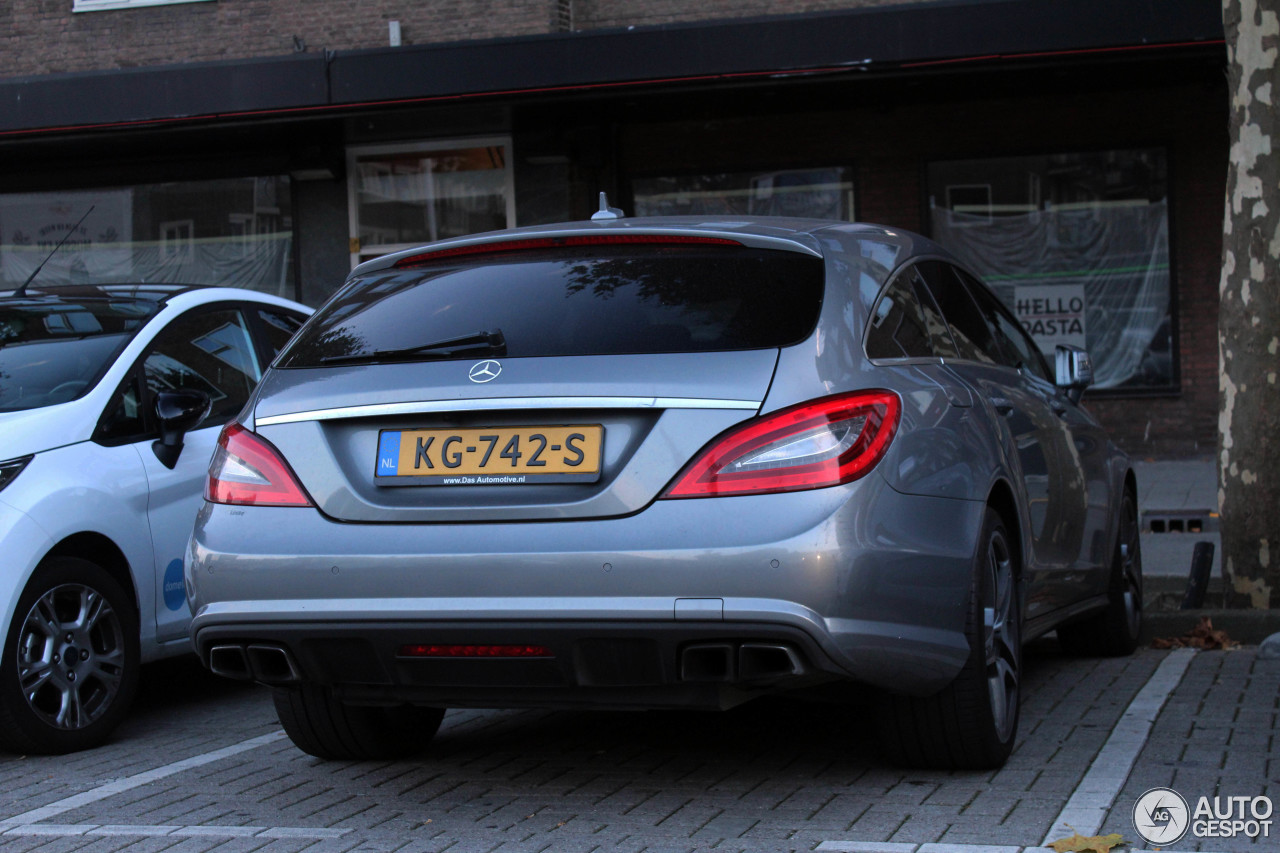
point(823, 193)
point(404, 196)
point(236, 232)
point(1077, 245)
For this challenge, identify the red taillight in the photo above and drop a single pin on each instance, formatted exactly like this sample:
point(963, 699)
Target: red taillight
point(821, 443)
point(560, 242)
point(246, 469)
point(472, 651)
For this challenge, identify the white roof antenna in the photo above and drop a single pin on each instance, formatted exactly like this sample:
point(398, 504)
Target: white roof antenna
point(606, 213)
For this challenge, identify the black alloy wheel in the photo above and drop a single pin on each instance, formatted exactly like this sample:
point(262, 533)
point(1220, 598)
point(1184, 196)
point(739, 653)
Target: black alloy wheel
point(1115, 631)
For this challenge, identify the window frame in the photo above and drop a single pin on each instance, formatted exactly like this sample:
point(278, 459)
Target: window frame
point(108, 5)
point(359, 252)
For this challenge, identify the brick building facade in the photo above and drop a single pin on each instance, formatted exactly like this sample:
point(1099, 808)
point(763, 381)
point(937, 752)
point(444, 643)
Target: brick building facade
point(277, 142)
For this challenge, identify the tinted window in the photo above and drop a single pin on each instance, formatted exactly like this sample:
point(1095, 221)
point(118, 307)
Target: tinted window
point(905, 323)
point(278, 328)
point(1019, 349)
point(596, 301)
point(54, 350)
point(123, 419)
point(973, 338)
point(209, 351)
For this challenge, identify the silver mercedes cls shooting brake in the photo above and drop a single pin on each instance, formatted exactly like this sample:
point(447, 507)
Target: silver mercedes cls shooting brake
point(667, 462)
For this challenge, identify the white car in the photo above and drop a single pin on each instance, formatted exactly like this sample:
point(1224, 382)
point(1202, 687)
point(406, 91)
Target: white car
point(111, 400)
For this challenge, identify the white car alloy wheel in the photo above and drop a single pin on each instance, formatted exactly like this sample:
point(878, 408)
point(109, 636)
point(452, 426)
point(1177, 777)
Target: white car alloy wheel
point(71, 663)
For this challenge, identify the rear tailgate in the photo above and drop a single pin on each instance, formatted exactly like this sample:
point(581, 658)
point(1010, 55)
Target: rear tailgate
point(544, 379)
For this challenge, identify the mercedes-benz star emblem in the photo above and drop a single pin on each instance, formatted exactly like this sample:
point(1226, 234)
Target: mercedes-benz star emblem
point(484, 371)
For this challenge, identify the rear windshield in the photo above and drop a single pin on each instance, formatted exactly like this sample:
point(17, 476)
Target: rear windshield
point(55, 350)
point(587, 301)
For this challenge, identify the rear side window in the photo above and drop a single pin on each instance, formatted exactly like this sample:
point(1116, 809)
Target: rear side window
point(278, 327)
point(1021, 351)
point(969, 328)
point(609, 300)
point(906, 324)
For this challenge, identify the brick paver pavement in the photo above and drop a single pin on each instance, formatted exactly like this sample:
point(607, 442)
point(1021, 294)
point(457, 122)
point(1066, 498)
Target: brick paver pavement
point(767, 777)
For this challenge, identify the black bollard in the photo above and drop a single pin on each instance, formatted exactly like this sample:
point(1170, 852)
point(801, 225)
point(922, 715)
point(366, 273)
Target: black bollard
point(1198, 582)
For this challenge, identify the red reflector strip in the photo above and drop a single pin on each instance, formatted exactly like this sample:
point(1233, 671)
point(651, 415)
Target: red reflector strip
point(561, 242)
point(469, 651)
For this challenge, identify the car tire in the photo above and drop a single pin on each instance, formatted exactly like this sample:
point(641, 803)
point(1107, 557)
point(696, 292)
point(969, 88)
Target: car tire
point(972, 723)
point(71, 660)
point(1115, 631)
point(320, 725)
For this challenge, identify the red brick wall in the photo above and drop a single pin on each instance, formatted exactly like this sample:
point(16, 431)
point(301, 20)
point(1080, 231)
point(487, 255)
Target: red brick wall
point(891, 147)
point(591, 14)
point(45, 36)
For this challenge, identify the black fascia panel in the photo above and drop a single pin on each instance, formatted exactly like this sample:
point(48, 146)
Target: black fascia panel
point(869, 38)
point(130, 96)
point(874, 38)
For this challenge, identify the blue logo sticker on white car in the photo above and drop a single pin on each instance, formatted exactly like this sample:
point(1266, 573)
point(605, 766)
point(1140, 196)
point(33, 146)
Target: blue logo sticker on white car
point(175, 592)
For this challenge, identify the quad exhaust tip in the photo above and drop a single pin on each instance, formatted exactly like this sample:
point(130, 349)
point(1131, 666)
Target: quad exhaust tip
point(268, 664)
point(729, 662)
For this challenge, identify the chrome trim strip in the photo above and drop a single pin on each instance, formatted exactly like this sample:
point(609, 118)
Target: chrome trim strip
point(505, 403)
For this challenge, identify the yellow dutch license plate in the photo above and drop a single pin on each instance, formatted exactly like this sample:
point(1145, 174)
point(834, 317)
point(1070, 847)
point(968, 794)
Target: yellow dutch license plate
point(494, 456)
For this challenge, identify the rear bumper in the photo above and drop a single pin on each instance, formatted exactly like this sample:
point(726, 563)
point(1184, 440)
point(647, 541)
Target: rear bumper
point(856, 583)
point(588, 664)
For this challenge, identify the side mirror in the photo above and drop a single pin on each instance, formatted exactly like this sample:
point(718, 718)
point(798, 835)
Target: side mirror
point(178, 412)
point(1074, 371)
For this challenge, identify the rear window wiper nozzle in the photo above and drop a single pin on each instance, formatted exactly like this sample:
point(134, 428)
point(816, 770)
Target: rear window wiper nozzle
point(477, 343)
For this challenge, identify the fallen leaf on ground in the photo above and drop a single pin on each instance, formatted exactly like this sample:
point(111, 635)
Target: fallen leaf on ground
point(1202, 636)
point(1078, 843)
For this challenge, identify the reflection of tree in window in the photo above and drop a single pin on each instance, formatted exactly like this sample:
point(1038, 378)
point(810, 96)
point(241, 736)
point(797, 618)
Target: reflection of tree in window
point(578, 303)
point(714, 299)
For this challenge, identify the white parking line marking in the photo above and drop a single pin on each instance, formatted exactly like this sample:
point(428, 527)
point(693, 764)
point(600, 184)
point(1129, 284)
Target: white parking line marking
point(1093, 797)
point(1097, 791)
point(87, 829)
point(110, 789)
point(900, 847)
